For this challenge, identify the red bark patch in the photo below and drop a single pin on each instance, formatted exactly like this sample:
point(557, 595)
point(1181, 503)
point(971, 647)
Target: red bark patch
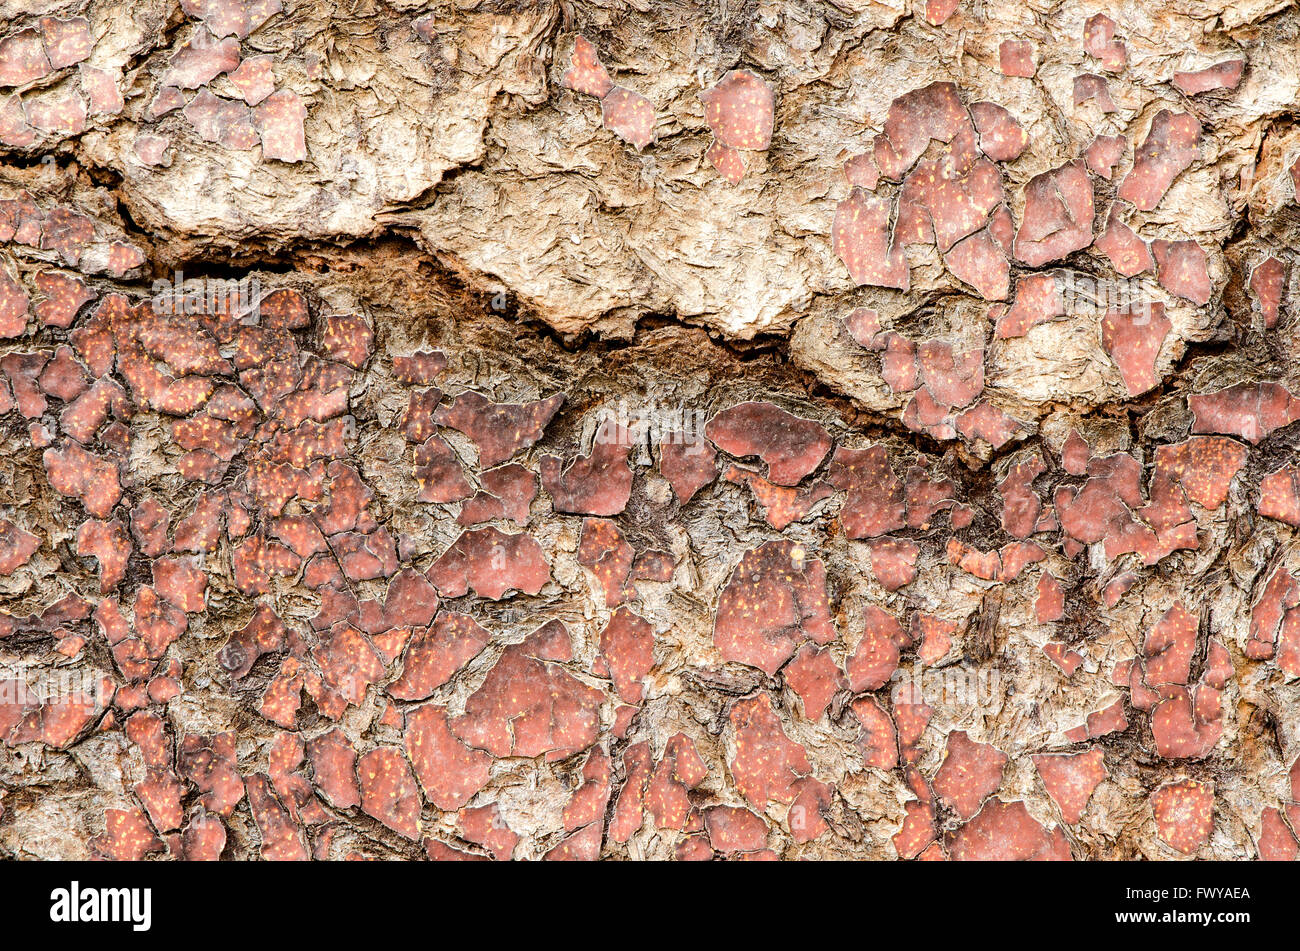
point(1185, 722)
point(438, 472)
point(279, 123)
point(349, 664)
point(982, 564)
point(937, 12)
point(1276, 842)
point(17, 546)
point(767, 764)
point(603, 549)
point(1022, 510)
point(814, 676)
point(388, 791)
point(740, 110)
point(790, 447)
point(486, 826)
point(347, 338)
point(1279, 595)
point(1249, 410)
point(629, 115)
point(63, 296)
point(1070, 779)
point(805, 817)
point(1063, 657)
point(224, 121)
point(83, 417)
point(209, 763)
point(200, 59)
point(1182, 269)
point(599, 483)
point(432, 657)
point(1050, 605)
point(107, 543)
point(874, 660)
point(450, 773)
point(1225, 75)
point(589, 800)
point(364, 556)
point(926, 496)
point(1279, 495)
point(971, 772)
point(254, 79)
point(13, 307)
point(67, 42)
point(1038, 299)
point(23, 371)
point(781, 505)
point(1132, 338)
point(14, 130)
point(421, 367)
point(1268, 281)
point(282, 839)
point(23, 58)
point(1006, 832)
point(932, 112)
point(1058, 215)
point(256, 560)
point(667, 795)
point(263, 634)
point(1204, 466)
point(1091, 86)
point(227, 17)
point(1171, 146)
point(627, 648)
point(91, 479)
point(1017, 58)
point(863, 325)
point(689, 464)
point(628, 814)
point(127, 836)
point(491, 563)
point(529, 705)
point(1099, 42)
point(1002, 138)
point(586, 74)
point(775, 598)
point(181, 583)
point(917, 831)
point(877, 738)
point(507, 493)
point(1128, 254)
point(498, 429)
point(735, 829)
point(893, 561)
point(1184, 814)
point(67, 232)
point(1104, 154)
point(862, 237)
point(204, 839)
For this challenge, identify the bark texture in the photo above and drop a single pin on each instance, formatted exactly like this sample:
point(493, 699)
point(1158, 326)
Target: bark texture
point(755, 429)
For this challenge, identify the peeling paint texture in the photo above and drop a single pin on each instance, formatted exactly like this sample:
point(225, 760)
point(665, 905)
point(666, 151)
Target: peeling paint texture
point(536, 430)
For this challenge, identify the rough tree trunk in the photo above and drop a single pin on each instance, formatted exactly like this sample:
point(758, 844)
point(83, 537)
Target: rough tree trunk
point(920, 481)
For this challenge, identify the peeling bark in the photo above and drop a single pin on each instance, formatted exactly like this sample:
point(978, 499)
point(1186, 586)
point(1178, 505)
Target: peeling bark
point(558, 430)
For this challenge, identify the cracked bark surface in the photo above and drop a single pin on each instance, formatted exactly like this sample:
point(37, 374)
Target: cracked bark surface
point(745, 430)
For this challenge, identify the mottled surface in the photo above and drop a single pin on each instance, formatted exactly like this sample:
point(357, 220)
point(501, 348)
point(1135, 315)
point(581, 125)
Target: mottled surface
point(744, 431)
